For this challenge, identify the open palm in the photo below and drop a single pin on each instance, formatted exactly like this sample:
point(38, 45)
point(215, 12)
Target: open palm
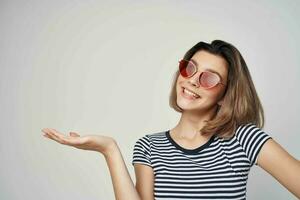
point(98, 143)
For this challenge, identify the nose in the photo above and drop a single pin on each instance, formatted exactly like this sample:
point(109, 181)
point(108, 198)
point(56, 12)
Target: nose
point(194, 80)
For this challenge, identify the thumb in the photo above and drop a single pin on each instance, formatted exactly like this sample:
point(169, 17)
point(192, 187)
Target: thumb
point(74, 134)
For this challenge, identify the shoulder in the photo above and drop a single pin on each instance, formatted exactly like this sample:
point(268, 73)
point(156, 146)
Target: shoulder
point(150, 138)
point(142, 151)
point(251, 138)
point(248, 131)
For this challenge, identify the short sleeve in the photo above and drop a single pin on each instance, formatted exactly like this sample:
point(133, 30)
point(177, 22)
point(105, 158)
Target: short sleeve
point(142, 151)
point(251, 138)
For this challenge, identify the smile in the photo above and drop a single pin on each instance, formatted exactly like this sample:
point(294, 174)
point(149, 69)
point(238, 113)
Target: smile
point(188, 94)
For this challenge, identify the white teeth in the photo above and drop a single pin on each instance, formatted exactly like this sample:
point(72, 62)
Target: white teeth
point(190, 93)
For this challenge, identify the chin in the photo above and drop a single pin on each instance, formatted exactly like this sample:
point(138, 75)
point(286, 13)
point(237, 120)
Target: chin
point(199, 105)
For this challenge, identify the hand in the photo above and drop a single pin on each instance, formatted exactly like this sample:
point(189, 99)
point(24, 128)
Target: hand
point(102, 144)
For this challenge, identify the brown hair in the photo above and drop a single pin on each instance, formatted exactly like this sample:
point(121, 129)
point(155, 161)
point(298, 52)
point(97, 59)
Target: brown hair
point(240, 105)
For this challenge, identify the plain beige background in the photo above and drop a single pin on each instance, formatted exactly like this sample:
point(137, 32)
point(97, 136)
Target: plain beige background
point(106, 68)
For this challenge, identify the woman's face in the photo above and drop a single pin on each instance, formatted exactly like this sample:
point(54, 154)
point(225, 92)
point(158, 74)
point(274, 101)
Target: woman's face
point(209, 98)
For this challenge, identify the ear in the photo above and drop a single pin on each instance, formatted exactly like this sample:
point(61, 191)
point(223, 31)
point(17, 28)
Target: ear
point(220, 102)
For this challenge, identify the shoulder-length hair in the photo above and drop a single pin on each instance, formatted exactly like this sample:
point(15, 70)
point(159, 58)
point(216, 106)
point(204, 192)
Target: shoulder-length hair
point(241, 104)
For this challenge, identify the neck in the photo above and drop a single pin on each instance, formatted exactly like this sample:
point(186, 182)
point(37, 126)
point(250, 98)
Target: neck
point(191, 123)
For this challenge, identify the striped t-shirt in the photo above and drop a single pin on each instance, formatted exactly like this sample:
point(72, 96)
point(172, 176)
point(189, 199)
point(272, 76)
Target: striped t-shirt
point(217, 169)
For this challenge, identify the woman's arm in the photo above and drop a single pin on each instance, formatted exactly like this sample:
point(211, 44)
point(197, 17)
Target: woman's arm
point(144, 181)
point(281, 165)
point(123, 186)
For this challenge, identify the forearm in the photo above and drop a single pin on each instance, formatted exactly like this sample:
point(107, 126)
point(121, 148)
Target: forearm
point(124, 188)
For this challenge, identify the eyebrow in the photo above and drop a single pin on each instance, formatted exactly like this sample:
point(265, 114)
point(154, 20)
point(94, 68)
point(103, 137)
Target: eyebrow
point(211, 70)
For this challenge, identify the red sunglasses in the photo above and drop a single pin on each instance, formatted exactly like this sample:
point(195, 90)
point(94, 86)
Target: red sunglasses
point(206, 79)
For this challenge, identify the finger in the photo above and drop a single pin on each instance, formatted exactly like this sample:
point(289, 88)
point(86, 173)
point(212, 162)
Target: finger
point(44, 130)
point(58, 134)
point(56, 138)
point(55, 132)
point(55, 135)
point(46, 135)
point(71, 141)
point(67, 140)
point(73, 134)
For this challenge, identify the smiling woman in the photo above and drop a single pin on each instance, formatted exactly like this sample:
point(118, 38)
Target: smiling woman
point(209, 153)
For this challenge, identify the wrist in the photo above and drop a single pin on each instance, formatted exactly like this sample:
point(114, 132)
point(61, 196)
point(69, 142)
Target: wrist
point(111, 150)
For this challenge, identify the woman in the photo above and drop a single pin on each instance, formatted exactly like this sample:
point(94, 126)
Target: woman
point(211, 150)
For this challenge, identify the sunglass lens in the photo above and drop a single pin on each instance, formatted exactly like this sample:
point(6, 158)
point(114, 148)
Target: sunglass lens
point(209, 79)
point(186, 68)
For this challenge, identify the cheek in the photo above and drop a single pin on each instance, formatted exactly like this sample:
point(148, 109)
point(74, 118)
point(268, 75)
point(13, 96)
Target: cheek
point(218, 95)
point(180, 79)
point(213, 94)
point(179, 83)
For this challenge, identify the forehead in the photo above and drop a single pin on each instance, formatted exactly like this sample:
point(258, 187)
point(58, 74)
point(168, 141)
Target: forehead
point(207, 61)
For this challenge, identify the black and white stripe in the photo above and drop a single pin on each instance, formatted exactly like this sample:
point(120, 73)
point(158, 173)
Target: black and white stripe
point(216, 170)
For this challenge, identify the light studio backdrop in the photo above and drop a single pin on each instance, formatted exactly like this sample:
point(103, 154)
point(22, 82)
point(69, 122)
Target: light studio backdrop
point(106, 67)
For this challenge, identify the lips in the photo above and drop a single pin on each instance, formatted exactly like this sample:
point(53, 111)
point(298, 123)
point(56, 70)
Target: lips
point(191, 97)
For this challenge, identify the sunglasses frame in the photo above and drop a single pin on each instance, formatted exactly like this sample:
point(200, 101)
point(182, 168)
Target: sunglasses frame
point(196, 70)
